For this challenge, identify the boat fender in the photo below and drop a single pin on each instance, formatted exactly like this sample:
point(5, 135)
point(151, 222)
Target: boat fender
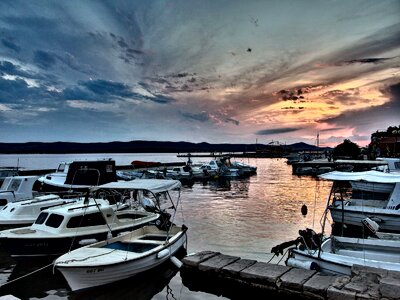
point(176, 262)
point(163, 253)
point(304, 210)
point(308, 265)
point(87, 242)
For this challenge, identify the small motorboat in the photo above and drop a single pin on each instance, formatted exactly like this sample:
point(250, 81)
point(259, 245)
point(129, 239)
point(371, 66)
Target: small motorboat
point(25, 212)
point(17, 188)
point(120, 257)
point(79, 175)
point(338, 254)
point(132, 252)
point(62, 228)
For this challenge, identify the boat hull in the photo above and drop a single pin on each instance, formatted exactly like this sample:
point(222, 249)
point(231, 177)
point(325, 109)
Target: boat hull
point(85, 277)
point(373, 187)
point(388, 220)
point(340, 254)
point(54, 246)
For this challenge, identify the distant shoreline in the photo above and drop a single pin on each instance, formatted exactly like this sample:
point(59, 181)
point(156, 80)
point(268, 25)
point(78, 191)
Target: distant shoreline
point(145, 147)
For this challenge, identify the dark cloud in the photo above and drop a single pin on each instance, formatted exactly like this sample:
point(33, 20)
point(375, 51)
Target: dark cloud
point(202, 117)
point(159, 98)
point(366, 49)
point(104, 87)
point(332, 129)
point(233, 121)
point(277, 130)
point(293, 94)
point(32, 22)
point(18, 91)
point(10, 44)
point(9, 68)
point(128, 53)
point(394, 93)
point(105, 91)
point(365, 61)
point(44, 59)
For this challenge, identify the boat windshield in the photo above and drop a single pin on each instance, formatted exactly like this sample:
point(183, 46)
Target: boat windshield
point(94, 219)
point(41, 218)
point(14, 186)
point(54, 220)
point(61, 167)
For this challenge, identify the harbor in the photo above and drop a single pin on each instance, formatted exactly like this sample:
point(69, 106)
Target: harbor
point(231, 216)
point(231, 236)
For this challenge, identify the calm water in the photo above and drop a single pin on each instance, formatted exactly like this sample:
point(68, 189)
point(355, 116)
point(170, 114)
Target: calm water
point(245, 218)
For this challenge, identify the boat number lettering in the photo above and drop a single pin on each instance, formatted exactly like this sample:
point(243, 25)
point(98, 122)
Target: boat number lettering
point(96, 270)
point(39, 244)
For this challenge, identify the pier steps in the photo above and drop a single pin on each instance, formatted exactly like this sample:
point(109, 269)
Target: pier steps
point(237, 278)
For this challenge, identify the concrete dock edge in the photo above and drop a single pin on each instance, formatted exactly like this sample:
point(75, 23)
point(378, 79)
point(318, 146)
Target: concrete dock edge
point(234, 278)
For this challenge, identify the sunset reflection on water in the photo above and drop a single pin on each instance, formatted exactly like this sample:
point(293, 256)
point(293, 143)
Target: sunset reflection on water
point(247, 217)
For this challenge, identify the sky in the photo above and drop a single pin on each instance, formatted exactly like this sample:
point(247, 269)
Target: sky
point(199, 71)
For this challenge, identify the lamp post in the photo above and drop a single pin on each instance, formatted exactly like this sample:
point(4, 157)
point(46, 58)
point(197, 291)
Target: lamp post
point(395, 132)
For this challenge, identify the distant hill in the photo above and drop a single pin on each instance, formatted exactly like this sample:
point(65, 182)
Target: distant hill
point(140, 146)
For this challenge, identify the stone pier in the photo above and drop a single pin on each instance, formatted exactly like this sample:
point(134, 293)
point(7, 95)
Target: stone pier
point(237, 278)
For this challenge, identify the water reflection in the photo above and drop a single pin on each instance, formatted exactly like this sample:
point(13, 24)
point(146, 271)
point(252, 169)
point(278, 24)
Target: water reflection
point(242, 217)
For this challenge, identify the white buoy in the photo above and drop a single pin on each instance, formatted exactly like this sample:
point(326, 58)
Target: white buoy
point(176, 262)
point(302, 264)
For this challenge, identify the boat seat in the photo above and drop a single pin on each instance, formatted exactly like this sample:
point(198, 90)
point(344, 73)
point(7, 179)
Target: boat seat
point(131, 246)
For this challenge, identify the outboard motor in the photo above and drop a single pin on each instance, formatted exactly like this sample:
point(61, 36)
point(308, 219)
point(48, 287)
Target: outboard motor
point(310, 239)
point(164, 221)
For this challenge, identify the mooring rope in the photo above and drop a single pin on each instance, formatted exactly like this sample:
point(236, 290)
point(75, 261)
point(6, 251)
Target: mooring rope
point(26, 275)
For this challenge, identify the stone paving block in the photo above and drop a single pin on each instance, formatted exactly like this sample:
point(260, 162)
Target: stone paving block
point(217, 262)
point(235, 268)
point(341, 281)
point(318, 284)
point(337, 294)
point(195, 259)
point(359, 269)
point(390, 287)
point(295, 278)
point(265, 273)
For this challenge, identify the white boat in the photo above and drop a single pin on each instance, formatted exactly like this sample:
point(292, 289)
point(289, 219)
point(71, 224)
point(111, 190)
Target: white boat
point(16, 188)
point(393, 164)
point(337, 255)
point(350, 211)
point(77, 175)
point(128, 254)
point(60, 229)
point(7, 172)
point(120, 257)
point(25, 212)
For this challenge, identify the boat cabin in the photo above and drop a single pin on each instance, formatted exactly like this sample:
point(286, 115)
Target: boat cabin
point(16, 188)
point(77, 175)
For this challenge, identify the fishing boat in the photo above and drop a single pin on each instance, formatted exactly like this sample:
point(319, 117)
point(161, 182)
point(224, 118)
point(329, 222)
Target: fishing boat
point(78, 175)
point(16, 188)
point(60, 229)
point(25, 212)
point(337, 255)
point(349, 206)
point(127, 254)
